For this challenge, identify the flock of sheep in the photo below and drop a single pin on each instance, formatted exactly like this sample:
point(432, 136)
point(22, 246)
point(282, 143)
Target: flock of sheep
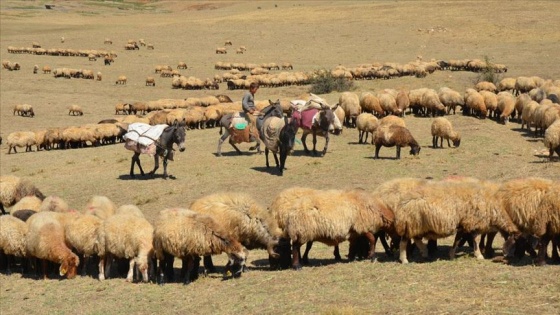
point(405, 209)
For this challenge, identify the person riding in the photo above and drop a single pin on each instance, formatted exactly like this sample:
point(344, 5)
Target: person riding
point(248, 104)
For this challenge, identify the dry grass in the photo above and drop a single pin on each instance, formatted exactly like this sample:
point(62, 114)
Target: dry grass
point(310, 35)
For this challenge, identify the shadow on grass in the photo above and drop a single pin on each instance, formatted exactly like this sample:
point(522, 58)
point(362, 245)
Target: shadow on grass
point(146, 177)
point(273, 170)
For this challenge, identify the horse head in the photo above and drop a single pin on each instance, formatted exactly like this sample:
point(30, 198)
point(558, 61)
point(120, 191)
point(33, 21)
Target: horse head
point(179, 134)
point(326, 119)
point(273, 110)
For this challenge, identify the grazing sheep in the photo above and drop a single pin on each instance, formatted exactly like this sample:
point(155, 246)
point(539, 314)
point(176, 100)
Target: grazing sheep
point(35, 69)
point(366, 123)
point(46, 240)
point(121, 80)
point(27, 203)
point(442, 128)
point(108, 59)
point(246, 220)
point(81, 235)
point(108, 41)
point(388, 104)
point(474, 104)
point(21, 139)
point(287, 66)
point(62, 39)
point(150, 46)
point(228, 42)
point(431, 103)
point(391, 120)
point(532, 204)
point(506, 105)
point(370, 104)
point(75, 110)
point(126, 236)
point(150, 81)
point(389, 136)
point(329, 216)
point(13, 234)
point(528, 114)
point(239, 51)
point(524, 85)
point(182, 65)
point(101, 207)
point(99, 76)
point(350, 103)
point(221, 50)
point(54, 204)
point(46, 69)
point(122, 108)
point(506, 84)
point(24, 110)
point(552, 139)
point(188, 235)
point(403, 101)
point(485, 86)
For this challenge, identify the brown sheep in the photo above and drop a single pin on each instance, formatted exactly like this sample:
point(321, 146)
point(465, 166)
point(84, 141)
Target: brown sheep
point(506, 106)
point(442, 128)
point(150, 81)
point(46, 69)
point(221, 50)
point(75, 110)
point(552, 139)
point(121, 80)
point(370, 104)
point(393, 135)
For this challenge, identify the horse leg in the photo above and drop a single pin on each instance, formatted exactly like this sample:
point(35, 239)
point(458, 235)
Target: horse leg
point(135, 159)
point(277, 162)
point(326, 144)
point(314, 143)
point(221, 140)
point(165, 168)
point(303, 137)
point(156, 164)
point(234, 146)
point(283, 156)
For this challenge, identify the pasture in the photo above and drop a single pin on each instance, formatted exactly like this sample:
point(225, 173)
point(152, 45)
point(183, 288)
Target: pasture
point(310, 35)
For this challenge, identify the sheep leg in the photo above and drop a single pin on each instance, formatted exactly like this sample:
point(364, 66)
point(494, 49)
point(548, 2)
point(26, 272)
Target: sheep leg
point(402, 250)
point(381, 235)
point(543, 244)
point(487, 246)
point(476, 240)
point(421, 247)
point(336, 253)
point(456, 241)
point(377, 148)
point(371, 254)
point(44, 264)
point(434, 142)
point(398, 152)
point(101, 266)
point(208, 264)
point(305, 258)
point(295, 255)
point(129, 276)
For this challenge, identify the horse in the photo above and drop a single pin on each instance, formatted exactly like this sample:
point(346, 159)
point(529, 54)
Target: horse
point(175, 133)
point(278, 141)
point(319, 127)
point(250, 135)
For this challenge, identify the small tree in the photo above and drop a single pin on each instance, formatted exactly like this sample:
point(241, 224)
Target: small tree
point(324, 83)
point(488, 73)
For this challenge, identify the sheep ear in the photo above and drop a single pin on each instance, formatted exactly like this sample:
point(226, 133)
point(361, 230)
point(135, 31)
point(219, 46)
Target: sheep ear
point(62, 270)
point(175, 122)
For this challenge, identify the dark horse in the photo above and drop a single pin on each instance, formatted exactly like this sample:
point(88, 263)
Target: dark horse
point(278, 142)
point(175, 133)
point(274, 109)
point(320, 127)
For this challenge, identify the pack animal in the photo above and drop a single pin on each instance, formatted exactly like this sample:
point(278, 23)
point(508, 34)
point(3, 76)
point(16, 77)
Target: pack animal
point(174, 134)
point(320, 126)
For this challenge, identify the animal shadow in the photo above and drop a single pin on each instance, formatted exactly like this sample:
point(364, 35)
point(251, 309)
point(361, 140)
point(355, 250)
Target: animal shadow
point(145, 177)
point(270, 170)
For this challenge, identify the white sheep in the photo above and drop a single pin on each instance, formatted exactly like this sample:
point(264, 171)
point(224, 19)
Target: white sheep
point(366, 123)
point(350, 103)
point(506, 105)
point(552, 138)
point(186, 234)
point(75, 110)
point(442, 128)
point(13, 233)
point(126, 236)
point(14, 188)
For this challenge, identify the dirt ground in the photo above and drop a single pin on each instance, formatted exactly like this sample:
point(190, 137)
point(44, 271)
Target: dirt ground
point(311, 35)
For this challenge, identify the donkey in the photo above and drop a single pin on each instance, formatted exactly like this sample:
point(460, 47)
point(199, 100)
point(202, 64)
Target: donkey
point(274, 109)
point(175, 133)
point(279, 141)
point(319, 127)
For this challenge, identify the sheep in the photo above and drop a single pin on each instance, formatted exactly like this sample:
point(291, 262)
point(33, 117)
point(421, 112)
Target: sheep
point(248, 222)
point(537, 94)
point(150, 46)
point(506, 84)
point(528, 114)
point(150, 81)
point(221, 50)
point(24, 110)
point(329, 216)
point(394, 135)
point(188, 235)
point(388, 104)
point(491, 102)
point(287, 66)
point(403, 101)
point(350, 102)
point(101, 207)
point(27, 203)
point(81, 235)
point(122, 108)
point(524, 85)
point(506, 105)
point(370, 104)
point(121, 80)
point(35, 69)
point(108, 41)
point(228, 42)
point(532, 204)
point(485, 86)
point(474, 103)
point(126, 236)
point(366, 123)
point(552, 139)
point(239, 51)
point(46, 240)
point(13, 234)
point(182, 65)
point(108, 59)
point(429, 100)
point(539, 117)
point(21, 139)
point(54, 204)
point(99, 76)
point(442, 128)
point(391, 120)
point(75, 110)
point(46, 69)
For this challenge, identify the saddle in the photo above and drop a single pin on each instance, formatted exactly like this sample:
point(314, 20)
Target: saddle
point(305, 118)
point(240, 129)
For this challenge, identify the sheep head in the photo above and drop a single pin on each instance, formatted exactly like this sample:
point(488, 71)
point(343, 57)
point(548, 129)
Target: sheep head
point(69, 266)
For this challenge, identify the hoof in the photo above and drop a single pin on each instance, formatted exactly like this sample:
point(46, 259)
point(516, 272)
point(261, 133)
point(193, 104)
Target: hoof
point(296, 267)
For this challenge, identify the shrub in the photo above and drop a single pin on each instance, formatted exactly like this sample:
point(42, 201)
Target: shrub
point(324, 83)
point(488, 73)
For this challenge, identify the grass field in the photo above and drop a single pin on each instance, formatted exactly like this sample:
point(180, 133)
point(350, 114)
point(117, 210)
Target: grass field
point(311, 35)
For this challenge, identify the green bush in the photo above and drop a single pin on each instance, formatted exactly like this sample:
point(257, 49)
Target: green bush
point(488, 73)
point(324, 83)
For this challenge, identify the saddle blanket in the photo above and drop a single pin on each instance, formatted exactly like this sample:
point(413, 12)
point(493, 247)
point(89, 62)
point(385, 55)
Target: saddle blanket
point(306, 118)
point(271, 132)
